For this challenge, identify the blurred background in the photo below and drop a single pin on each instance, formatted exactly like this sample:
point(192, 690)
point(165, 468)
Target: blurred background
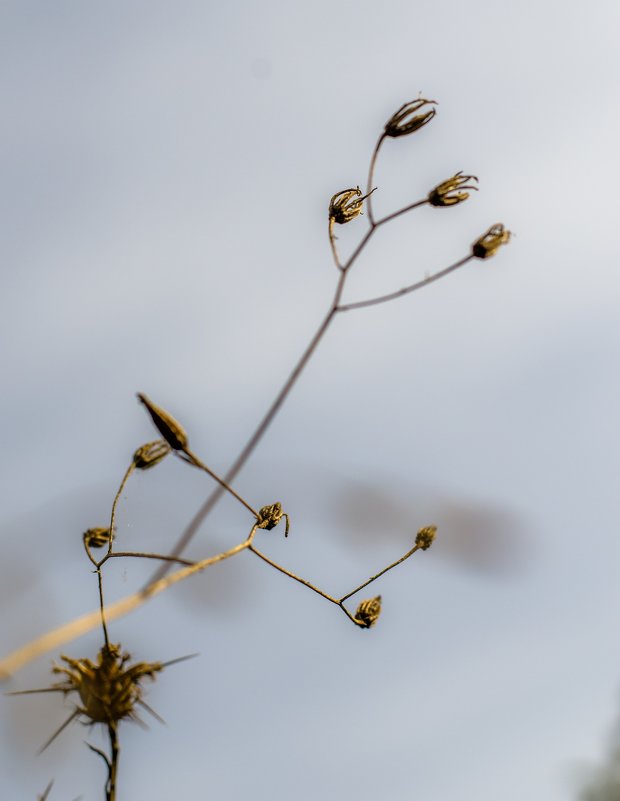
point(166, 170)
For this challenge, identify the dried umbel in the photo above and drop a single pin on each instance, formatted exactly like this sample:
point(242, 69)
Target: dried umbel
point(108, 689)
point(171, 431)
point(425, 537)
point(490, 242)
point(451, 192)
point(270, 516)
point(96, 537)
point(406, 121)
point(368, 612)
point(346, 205)
point(152, 453)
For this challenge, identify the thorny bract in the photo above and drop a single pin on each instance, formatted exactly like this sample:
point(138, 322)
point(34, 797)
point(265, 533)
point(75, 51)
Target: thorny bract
point(110, 688)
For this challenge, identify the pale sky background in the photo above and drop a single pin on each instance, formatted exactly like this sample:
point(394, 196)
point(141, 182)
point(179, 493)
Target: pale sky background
point(165, 175)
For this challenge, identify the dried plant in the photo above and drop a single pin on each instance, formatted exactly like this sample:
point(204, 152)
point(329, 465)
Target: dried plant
point(111, 688)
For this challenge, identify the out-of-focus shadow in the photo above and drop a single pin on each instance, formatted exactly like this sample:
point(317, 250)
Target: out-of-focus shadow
point(479, 537)
point(602, 782)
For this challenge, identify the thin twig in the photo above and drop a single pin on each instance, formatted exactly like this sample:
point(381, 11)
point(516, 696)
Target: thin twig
point(332, 243)
point(119, 492)
point(102, 608)
point(224, 484)
point(114, 754)
point(52, 640)
point(371, 171)
point(288, 573)
point(380, 573)
point(141, 555)
point(406, 290)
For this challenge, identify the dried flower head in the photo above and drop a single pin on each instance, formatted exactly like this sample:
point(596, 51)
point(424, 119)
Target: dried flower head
point(171, 431)
point(96, 537)
point(406, 121)
point(368, 612)
point(450, 192)
point(108, 690)
point(346, 205)
point(151, 454)
point(270, 516)
point(425, 537)
point(490, 242)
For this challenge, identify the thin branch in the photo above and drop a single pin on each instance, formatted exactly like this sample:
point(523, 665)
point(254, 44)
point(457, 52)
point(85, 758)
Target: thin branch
point(380, 573)
point(288, 573)
point(371, 172)
point(140, 555)
point(52, 640)
point(224, 484)
point(119, 492)
point(102, 608)
point(114, 754)
point(404, 210)
point(332, 243)
point(406, 290)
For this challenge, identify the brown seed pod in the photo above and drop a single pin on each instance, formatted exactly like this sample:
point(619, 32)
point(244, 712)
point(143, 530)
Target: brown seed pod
point(368, 612)
point(151, 454)
point(450, 192)
point(347, 205)
point(96, 537)
point(171, 431)
point(425, 537)
point(270, 516)
point(490, 242)
point(406, 121)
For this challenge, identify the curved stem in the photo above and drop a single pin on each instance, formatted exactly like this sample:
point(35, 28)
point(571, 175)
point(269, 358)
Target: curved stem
point(371, 172)
point(332, 244)
point(380, 573)
point(288, 573)
point(117, 497)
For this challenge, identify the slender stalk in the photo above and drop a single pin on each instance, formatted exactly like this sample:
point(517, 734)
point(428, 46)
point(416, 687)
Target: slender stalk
point(371, 172)
point(221, 481)
point(128, 473)
point(102, 608)
point(380, 573)
point(114, 754)
point(406, 290)
point(288, 573)
point(332, 243)
point(141, 555)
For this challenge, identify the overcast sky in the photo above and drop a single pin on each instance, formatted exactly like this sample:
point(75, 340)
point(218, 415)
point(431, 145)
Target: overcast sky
point(165, 175)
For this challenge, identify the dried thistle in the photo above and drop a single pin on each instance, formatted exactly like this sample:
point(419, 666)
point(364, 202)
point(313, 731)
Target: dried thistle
point(368, 612)
point(171, 431)
point(425, 537)
point(108, 690)
point(450, 192)
point(150, 454)
point(346, 205)
point(270, 516)
point(96, 537)
point(490, 242)
point(406, 121)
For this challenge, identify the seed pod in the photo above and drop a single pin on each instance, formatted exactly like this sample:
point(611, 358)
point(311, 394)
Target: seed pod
point(346, 205)
point(171, 431)
point(425, 537)
point(150, 454)
point(97, 537)
point(449, 193)
point(368, 612)
point(490, 242)
point(270, 516)
point(406, 121)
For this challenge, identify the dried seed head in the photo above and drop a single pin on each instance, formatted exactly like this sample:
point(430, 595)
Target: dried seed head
point(450, 192)
point(171, 431)
point(151, 454)
point(425, 536)
point(108, 690)
point(406, 121)
point(96, 537)
point(490, 242)
point(270, 516)
point(346, 205)
point(368, 612)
